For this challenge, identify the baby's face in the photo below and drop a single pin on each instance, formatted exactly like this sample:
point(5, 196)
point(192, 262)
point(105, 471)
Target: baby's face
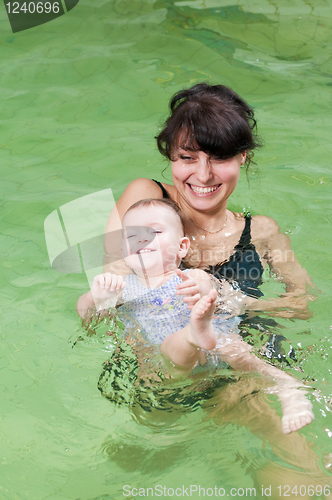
point(153, 240)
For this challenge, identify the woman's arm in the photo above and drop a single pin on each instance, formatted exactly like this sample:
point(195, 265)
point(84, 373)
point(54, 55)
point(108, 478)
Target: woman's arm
point(139, 189)
point(285, 266)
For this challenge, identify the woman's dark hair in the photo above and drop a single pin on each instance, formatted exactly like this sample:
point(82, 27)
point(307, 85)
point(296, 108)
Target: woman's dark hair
point(209, 118)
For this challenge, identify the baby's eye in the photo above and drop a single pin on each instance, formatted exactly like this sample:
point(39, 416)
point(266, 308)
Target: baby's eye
point(157, 231)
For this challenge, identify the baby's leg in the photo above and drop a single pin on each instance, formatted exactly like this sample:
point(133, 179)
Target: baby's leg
point(243, 403)
point(184, 346)
point(201, 332)
point(296, 408)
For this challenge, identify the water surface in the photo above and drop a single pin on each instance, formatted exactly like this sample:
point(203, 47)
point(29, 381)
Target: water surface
point(81, 100)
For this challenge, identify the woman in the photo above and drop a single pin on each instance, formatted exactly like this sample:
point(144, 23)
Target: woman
point(208, 136)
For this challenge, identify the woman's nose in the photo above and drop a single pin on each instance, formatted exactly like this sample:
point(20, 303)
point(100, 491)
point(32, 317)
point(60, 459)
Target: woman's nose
point(203, 169)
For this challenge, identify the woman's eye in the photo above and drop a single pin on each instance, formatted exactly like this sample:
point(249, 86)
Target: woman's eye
point(157, 232)
point(217, 160)
point(186, 158)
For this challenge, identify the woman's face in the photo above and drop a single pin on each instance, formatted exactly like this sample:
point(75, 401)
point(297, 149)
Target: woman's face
point(205, 183)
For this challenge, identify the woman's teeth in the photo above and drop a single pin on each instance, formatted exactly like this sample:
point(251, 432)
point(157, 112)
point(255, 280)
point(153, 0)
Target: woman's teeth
point(144, 250)
point(202, 190)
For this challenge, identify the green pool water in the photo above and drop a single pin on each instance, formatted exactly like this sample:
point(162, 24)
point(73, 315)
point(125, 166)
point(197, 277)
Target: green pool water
point(82, 98)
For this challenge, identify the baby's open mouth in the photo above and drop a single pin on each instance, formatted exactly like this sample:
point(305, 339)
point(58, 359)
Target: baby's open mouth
point(145, 250)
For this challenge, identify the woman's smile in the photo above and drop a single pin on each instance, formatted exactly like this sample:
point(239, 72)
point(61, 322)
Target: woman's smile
point(204, 190)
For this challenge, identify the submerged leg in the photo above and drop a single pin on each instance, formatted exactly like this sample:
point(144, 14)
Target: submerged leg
point(297, 409)
point(290, 460)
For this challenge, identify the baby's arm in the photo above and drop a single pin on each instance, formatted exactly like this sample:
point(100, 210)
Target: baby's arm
point(106, 289)
point(196, 283)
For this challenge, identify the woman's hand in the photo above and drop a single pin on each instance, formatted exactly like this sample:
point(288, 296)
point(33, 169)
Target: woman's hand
point(189, 288)
point(195, 284)
point(291, 305)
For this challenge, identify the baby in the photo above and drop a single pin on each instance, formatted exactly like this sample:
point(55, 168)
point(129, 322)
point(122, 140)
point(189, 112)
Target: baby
point(154, 243)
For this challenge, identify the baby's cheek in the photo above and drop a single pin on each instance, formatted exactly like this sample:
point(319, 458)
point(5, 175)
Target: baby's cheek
point(171, 251)
point(170, 257)
point(132, 261)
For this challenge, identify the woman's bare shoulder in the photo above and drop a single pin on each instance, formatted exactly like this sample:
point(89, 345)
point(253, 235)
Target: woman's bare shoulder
point(142, 188)
point(138, 189)
point(263, 226)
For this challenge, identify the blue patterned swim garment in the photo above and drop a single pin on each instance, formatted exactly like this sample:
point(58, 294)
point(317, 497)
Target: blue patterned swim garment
point(159, 312)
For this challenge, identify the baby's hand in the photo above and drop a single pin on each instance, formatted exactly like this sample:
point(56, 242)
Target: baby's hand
point(189, 287)
point(106, 287)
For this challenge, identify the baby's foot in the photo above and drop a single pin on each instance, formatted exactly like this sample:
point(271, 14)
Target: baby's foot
point(201, 327)
point(297, 412)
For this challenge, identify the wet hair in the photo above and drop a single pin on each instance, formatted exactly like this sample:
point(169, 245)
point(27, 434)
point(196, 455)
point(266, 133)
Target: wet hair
point(171, 205)
point(212, 119)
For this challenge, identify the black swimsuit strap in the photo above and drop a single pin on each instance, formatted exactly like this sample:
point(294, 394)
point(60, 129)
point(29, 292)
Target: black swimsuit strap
point(165, 193)
point(246, 234)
